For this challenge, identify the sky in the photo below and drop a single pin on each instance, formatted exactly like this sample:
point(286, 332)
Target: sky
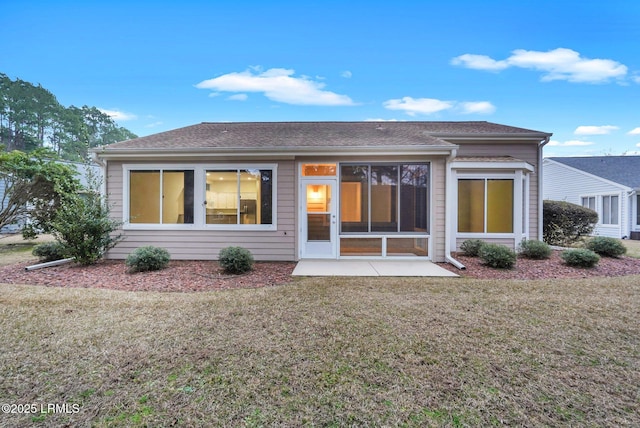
point(571, 68)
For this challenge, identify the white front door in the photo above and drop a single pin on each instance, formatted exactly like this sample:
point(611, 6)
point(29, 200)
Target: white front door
point(318, 218)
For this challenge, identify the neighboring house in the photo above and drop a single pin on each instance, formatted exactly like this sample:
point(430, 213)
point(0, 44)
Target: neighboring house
point(288, 191)
point(610, 185)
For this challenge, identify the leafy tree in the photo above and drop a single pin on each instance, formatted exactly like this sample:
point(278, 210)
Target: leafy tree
point(31, 118)
point(83, 225)
point(34, 188)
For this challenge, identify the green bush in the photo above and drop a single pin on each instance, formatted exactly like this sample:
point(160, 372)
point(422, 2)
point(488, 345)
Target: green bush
point(565, 223)
point(607, 247)
point(235, 260)
point(49, 251)
point(148, 258)
point(580, 257)
point(534, 249)
point(497, 256)
point(471, 247)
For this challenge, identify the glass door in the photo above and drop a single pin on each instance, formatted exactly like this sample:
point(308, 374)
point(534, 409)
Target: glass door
point(319, 219)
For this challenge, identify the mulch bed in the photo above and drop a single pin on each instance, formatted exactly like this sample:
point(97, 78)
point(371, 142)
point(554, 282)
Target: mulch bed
point(185, 276)
point(180, 276)
point(551, 268)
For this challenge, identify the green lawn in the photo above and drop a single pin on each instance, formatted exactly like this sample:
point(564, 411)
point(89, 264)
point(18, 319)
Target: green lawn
point(327, 352)
point(633, 248)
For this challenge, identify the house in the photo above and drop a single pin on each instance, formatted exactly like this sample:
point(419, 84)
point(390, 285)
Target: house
point(289, 191)
point(609, 185)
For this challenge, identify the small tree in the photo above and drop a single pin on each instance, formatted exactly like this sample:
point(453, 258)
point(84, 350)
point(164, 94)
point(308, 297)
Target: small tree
point(35, 185)
point(84, 227)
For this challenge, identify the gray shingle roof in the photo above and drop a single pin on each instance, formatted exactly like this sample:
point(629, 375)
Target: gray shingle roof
point(282, 135)
point(619, 169)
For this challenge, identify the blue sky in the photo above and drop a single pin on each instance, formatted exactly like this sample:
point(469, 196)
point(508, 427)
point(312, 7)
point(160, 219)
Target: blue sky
point(567, 67)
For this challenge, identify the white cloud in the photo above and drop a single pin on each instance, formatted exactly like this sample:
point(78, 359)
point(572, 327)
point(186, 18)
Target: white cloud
point(277, 84)
point(556, 64)
point(238, 97)
point(381, 120)
point(118, 115)
point(570, 143)
point(413, 106)
point(477, 107)
point(635, 131)
point(346, 74)
point(595, 130)
point(479, 62)
point(426, 106)
point(153, 125)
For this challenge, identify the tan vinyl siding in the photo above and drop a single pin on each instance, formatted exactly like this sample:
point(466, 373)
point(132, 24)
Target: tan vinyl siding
point(438, 207)
point(507, 242)
point(277, 245)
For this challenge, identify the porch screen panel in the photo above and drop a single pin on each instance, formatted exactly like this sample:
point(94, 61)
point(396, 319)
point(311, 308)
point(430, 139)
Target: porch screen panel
point(222, 197)
point(499, 206)
point(354, 198)
point(144, 197)
point(471, 206)
point(384, 198)
point(414, 182)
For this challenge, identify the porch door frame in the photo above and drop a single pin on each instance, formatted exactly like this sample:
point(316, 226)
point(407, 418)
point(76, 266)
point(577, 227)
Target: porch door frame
point(318, 249)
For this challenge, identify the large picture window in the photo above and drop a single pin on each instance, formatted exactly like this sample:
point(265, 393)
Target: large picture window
point(389, 198)
point(485, 205)
point(161, 197)
point(200, 196)
point(239, 196)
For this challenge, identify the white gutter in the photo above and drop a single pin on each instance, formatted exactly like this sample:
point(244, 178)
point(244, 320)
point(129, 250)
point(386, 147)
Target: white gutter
point(540, 189)
point(447, 223)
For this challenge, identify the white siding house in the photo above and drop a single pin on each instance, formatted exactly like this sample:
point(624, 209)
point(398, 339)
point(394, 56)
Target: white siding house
point(609, 185)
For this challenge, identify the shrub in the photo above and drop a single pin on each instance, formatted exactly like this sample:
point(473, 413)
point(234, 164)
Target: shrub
point(235, 260)
point(471, 247)
point(607, 247)
point(534, 249)
point(497, 256)
point(565, 223)
point(148, 258)
point(49, 251)
point(580, 257)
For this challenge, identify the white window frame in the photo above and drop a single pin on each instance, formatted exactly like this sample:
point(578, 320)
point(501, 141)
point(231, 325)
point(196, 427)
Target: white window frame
point(520, 207)
point(199, 191)
point(602, 218)
point(595, 202)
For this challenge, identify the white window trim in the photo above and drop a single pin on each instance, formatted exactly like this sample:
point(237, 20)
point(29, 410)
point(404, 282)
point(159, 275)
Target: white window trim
point(199, 191)
point(601, 211)
point(520, 219)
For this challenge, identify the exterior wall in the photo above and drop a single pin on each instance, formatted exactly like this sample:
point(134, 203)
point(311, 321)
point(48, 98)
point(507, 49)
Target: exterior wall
point(562, 183)
point(277, 245)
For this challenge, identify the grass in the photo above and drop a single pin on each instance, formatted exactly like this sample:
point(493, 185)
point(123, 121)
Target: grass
point(633, 248)
point(327, 352)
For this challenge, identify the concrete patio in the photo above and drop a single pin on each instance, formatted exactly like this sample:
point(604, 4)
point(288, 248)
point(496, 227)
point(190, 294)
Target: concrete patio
point(370, 268)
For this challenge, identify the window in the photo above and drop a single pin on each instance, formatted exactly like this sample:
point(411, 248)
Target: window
point(161, 197)
point(485, 205)
point(389, 198)
point(239, 196)
point(610, 210)
point(589, 202)
point(172, 196)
